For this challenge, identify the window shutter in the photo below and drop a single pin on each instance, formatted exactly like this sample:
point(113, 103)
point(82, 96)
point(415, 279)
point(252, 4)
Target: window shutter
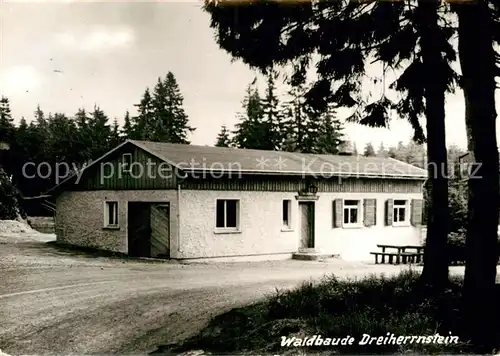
point(337, 213)
point(416, 211)
point(370, 212)
point(389, 211)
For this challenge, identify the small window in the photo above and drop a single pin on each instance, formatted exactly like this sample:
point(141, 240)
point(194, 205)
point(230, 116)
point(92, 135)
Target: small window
point(111, 214)
point(287, 213)
point(126, 162)
point(400, 212)
point(351, 212)
point(227, 212)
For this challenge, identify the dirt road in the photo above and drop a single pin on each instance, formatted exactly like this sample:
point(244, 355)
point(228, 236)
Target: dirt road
point(54, 302)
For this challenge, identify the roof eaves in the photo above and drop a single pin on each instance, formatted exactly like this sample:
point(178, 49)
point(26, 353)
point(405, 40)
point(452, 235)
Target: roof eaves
point(309, 173)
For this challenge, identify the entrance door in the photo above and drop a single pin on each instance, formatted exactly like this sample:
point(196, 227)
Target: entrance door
point(139, 229)
point(160, 230)
point(306, 212)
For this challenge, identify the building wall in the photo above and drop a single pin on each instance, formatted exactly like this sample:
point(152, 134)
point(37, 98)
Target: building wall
point(356, 243)
point(261, 225)
point(80, 217)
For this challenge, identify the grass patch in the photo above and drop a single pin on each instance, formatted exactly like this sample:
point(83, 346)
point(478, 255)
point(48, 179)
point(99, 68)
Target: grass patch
point(335, 308)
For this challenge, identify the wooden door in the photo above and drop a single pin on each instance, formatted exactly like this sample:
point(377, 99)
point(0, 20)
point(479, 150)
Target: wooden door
point(139, 229)
point(160, 230)
point(306, 213)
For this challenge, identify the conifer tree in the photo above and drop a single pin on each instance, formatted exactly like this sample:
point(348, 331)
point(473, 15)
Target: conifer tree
point(6, 121)
point(250, 129)
point(83, 137)
point(9, 195)
point(382, 151)
point(115, 136)
point(369, 150)
point(170, 122)
point(99, 132)
point(223, 139)
point(273, 126)
point(127, 131)
point(143, 123)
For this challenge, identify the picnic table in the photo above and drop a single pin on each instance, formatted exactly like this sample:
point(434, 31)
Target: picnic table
point(400, 255)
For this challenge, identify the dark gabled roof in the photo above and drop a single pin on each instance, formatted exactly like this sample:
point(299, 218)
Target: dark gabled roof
point(192, 158)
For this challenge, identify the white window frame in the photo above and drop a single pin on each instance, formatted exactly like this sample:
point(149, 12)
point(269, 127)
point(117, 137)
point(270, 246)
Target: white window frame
point(107, 205)
point(287, 226)
point(405, 206)
point(359, 207)
point(226, 229)
point(126, 165)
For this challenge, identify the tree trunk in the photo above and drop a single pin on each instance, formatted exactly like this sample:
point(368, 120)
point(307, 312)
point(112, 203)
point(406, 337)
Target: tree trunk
point(478, 64)
point(435, 272)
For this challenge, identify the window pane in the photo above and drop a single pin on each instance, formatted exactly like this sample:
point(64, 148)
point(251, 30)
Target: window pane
point(395, 215)
point(401, 214)
point(220, 218)
point(285, 211)
point(112, 215)
point(351, 202)
point(346, 216)
point(399, 202)
point(231, 211)
point(354, 216)
point(112, 212)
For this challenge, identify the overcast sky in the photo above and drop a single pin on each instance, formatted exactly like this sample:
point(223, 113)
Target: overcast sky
point(64, 56)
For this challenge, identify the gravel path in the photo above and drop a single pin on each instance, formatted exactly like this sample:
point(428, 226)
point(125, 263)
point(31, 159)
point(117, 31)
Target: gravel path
point(56, 302)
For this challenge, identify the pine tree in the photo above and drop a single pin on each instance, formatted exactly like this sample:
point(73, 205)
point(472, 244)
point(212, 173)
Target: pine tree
point(39, 137)
point(21, 149)
point(9, 195)
point(392, 152)
point(100, 133)
point(62, 144)
point(273, 125)
point(40, 117)
point(127, 131)
point(223, 139)
point(347, 147)
point(303, 126)
point(115, 136)
point(382, 151)
point(6, 121)
point(83, 138)
point(170, 122)
point(369, 150)
point(330, 136)
point(143, 127)
point(296, 138)
point(250, 128)
point(307, 130)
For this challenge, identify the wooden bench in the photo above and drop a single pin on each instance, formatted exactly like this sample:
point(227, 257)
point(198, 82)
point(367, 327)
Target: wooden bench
point(391, 256)
point(412, 257)
point(401, 256)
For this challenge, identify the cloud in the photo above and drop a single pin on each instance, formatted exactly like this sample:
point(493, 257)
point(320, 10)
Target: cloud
point(18, 79)
point(97, 40)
